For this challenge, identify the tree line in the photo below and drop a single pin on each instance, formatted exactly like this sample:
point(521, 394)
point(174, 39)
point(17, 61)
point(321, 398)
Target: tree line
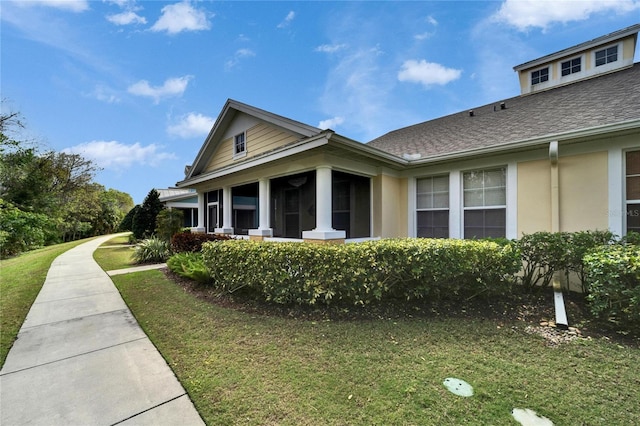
point(48, 197)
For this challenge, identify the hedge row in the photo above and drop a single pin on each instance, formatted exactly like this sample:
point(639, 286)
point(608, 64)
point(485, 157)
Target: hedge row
point(187, 242)
point(612, 274)
point(361, 273)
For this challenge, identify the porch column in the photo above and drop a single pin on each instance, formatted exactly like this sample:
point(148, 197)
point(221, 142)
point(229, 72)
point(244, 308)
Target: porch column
point(200, 228)
point(323, 231)
point(227, 210)
point(263, 206)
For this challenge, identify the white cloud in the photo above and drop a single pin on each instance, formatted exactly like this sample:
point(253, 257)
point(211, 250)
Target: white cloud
point(105, 94)
point(525, 14)
point(427, 73)
point(240, 54)
point(432, 20)
point(330, 48)
point(126, 18)
point(70, 5)
point(180, 17)
point(287, 20)
point(172, 87)
point(191, 125)
point(118, 156)
point(331, 123)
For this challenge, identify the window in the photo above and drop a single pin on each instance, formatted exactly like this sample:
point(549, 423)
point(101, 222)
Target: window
point(571, 67)
point(633, 190)
point(606, 56)
point(432, 205)
point(540, 76)
point(239, 145)
point(485, 199)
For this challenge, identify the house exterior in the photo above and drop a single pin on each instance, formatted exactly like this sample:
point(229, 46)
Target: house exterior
point(185, 200)
point(564, 155)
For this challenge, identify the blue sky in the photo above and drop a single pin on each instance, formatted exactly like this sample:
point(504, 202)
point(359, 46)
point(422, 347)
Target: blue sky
point(136, 85)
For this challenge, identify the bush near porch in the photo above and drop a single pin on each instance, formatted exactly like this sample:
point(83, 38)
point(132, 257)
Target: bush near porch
point(362, 273)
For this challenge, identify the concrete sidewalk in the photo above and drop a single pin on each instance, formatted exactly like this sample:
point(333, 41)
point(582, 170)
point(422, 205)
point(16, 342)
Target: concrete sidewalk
point(82, 359)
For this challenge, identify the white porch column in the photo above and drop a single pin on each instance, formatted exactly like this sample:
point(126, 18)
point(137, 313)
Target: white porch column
point(227, 210)
point(200, 228)
point(323, 230)
point(263, 206)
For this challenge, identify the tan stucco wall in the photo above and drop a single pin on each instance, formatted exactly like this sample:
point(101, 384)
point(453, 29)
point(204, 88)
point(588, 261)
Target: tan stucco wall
point(390, 205)
point(534, 197)
point(584, 192)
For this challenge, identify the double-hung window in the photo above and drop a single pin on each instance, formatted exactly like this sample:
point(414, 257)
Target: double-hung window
point(571, 67)
point(633, 190)
point(540, 76)
point(485, 203)
point(239, 145)
point(432, 207)
point(606, 56)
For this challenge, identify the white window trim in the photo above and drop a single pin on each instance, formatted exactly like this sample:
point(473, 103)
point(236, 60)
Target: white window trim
point(456, 198)
point(243, 153)
point(413, 203)
point(625, 201)
point(608, 66)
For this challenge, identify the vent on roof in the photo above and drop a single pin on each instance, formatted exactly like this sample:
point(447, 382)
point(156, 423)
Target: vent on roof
point(471, 114)
point(411, 156)
point(503, 105)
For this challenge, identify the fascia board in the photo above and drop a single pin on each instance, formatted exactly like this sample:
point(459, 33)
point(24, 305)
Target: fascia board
point(368, 151)
point(297, 148)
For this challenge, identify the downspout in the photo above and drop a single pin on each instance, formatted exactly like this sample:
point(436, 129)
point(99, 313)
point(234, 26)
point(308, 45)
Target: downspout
point(558, 299)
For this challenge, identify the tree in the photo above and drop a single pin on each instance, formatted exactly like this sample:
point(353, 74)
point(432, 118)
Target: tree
point(127, 221)
point(144, 222)
point(169, 222)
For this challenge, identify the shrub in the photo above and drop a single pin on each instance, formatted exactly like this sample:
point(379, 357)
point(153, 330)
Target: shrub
point(579, 244)
point(189, 265)
point(543, 254)
point(632, 238)
point(612, 274)
point(360, 273)
point(151, 250)
point(188, 242)
point(169, 222)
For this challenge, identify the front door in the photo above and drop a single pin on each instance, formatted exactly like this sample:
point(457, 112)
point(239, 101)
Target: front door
point(292, 213)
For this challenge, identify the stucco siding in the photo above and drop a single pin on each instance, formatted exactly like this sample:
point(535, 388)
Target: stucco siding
point(583, 192)
point(534, 197)
point(390, 216)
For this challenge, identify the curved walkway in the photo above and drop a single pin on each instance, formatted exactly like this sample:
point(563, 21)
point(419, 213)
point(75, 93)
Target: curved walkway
point(82, 359)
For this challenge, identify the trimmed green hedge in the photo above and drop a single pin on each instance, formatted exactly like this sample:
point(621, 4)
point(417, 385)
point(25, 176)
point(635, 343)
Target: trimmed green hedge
point(361, 273)
point(612, 274)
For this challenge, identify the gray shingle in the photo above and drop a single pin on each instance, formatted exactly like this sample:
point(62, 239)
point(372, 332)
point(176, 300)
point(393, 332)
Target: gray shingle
point(604, 100)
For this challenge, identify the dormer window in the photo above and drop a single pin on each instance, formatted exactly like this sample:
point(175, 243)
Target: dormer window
point(606, 56)
point(571, 67)
point(239, 145)
point(540, 76)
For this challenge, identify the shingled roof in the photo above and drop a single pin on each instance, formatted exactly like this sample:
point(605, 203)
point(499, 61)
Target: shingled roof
point(604, 100)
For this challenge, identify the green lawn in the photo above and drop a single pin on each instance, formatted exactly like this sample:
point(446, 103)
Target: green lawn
point(21, 279)
point(111, 257)
point(252, 369)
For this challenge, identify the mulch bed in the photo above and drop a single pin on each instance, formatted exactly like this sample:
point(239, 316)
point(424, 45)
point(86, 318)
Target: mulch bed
point(535, 312)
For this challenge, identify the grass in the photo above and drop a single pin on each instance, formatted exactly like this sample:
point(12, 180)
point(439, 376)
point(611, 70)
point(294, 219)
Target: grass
point(21, 279)
point(253, 369)
point(111, 257)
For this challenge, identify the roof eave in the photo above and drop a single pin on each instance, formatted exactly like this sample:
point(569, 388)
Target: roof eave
point(531, 143)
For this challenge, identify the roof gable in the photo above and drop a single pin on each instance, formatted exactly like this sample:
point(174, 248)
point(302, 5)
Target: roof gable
point(237, 117)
